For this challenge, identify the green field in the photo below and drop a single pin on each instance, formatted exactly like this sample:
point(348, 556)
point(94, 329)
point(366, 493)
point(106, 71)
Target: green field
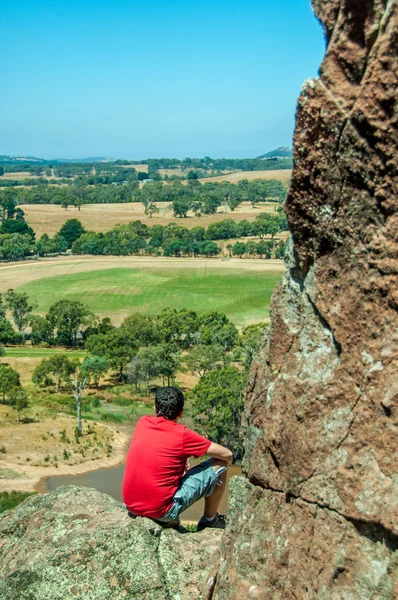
point(35, 352)
point(243, 295)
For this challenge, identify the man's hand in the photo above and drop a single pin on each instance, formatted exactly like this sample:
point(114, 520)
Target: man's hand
point(220, 452)
point(187, 466)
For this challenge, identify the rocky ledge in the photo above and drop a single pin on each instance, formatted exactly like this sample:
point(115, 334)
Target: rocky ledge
point(77, 543)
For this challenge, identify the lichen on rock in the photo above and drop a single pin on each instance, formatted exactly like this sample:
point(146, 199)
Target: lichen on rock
point(77, 543)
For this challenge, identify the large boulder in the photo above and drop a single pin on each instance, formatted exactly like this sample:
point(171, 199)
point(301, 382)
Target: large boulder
point(317, 516)
point(77, 543)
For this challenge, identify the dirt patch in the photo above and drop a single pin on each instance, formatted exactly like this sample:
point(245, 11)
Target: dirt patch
point(38, 450)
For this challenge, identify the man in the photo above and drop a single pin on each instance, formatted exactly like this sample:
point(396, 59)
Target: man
point(156, 481)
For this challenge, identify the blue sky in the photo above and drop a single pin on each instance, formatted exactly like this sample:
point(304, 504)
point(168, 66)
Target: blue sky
point(145, 79)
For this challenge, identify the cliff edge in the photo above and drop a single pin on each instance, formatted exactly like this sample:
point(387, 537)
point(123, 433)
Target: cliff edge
point(317, 515)
point(77, 543)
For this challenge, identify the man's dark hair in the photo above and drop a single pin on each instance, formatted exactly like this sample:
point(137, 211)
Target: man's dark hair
point(169, 402)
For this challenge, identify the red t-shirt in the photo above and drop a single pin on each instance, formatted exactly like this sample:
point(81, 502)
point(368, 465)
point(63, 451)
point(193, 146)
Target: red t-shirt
point(155, 464)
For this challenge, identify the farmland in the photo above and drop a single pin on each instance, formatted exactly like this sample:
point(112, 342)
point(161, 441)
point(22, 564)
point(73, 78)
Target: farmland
point(49, 218)
point(280, 175)
point(117, 287)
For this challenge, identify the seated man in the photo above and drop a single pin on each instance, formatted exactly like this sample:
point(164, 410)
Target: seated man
point(156, 481)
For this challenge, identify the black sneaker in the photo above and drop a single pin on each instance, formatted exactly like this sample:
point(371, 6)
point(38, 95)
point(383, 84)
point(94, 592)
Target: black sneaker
point(217, 523)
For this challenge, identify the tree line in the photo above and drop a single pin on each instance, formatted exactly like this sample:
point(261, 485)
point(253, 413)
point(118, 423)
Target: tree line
point(136, 238)
point(200, 198)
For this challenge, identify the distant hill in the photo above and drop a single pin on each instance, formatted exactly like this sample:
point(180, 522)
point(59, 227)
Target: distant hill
point(90, 159)
point(282, 152)
point(7, 159)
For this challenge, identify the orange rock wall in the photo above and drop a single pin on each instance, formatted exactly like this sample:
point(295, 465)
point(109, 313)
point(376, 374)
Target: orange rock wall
point(317, 516)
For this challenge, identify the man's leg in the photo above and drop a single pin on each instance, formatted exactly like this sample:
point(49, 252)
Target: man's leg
point(212, 502)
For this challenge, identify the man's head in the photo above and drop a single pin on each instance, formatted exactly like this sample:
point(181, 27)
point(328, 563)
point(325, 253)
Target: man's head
point(169, 402)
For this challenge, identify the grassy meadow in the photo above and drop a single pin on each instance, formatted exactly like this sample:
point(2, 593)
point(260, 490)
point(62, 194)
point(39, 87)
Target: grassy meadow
point(243, 295)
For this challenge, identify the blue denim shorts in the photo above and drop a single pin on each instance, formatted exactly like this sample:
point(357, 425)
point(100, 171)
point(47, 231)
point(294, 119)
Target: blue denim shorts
point(199, 482)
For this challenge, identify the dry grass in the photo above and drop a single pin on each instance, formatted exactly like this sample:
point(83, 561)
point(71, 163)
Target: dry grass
point(45, 440)
point(22, 175)
point(281, 175)
point(171, 172)
point(25, 365)
point(142, 168)
point(36, 450)
point(18, 176)
point(49, 218)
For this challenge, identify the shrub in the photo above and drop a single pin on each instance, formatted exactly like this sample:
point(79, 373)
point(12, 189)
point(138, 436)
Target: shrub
point(123, 402)
point(113, 417)
point(9, 500)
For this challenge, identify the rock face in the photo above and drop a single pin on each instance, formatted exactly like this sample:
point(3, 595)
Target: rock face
point(317, 516)
point(77, 543)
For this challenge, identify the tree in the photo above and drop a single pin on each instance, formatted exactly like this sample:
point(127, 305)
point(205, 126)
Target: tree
point(54, 370)
point(217, 405)
point(13, 226)
point(89, 243)
point(19, 400)
point(9, 201)
point(42, 332)
point(170, 361)
point(178, 326)
point(45, 245)
point(250, 342)
point(21, 309)
point(280, 249)
point(1, 171)
point(181, 207)
point(239, 249)
point(79, 380)
point(198, 233)
point(215, 328)
point(77, 203)
point(197, 208)
point(172, 248)
point(140, 330)
point(15, 246)
point(115, 346)
point(95, 367)
point(192, 176)
point(202, 359)
point(7, 333)
point(264, 248)
point(223, 230)
point(9, 379)
point(145, 366)
point(68, 319)
point(71, 231)
point(151, 209)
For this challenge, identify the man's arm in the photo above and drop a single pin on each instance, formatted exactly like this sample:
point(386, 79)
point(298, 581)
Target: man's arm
point(220, 452)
